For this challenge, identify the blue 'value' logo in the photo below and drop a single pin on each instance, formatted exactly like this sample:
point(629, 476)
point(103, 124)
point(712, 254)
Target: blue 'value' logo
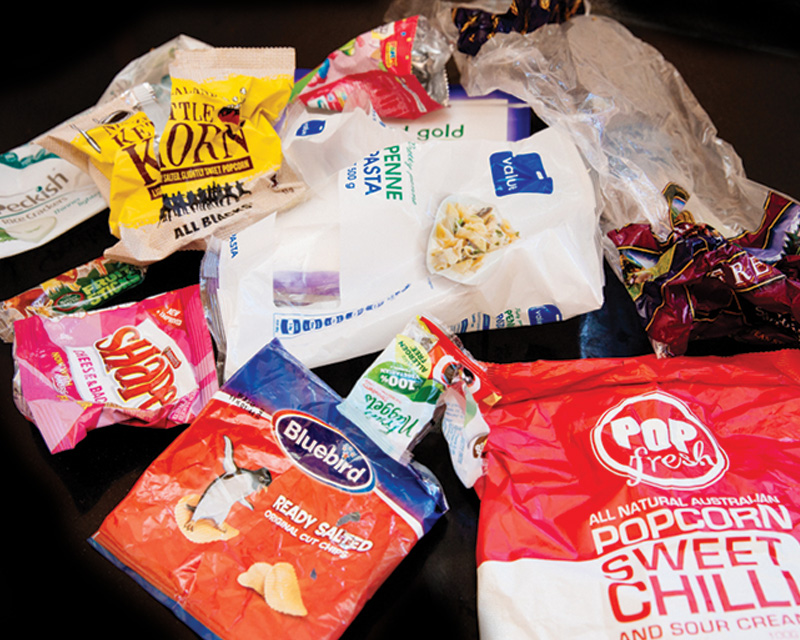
point(310, 128)
point(519, 174)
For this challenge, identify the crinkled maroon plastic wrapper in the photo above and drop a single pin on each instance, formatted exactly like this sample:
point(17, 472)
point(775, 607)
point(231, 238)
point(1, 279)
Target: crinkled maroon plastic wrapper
point(697, 284)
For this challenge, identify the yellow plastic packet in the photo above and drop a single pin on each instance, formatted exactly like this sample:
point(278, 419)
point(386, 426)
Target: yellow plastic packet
point(135, 176)
point(219, 152)
point(212, 167)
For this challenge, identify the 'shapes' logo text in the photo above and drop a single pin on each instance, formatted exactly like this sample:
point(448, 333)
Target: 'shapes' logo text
point(323, 452)
point(656, 440)
point(140, 369)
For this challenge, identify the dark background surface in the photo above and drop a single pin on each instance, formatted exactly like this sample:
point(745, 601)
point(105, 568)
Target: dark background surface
point(744, 68)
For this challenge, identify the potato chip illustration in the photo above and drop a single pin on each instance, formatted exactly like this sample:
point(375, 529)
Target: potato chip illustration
point(254, 577)
point(282, 590)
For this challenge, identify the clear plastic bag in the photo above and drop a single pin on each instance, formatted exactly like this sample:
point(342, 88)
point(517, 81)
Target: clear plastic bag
point(631, 114)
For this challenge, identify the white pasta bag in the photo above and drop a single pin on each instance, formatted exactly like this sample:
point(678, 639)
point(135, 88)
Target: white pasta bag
point(339, 275)
point(318, 144)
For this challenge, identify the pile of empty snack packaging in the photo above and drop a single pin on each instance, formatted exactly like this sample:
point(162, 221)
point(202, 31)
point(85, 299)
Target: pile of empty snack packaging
point(344, 211)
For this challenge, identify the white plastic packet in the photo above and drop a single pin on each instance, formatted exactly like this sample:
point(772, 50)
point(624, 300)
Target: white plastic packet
point(465, 431)
point(318, 144)
point(340, 275)
point(41, 197)
point(394, 400)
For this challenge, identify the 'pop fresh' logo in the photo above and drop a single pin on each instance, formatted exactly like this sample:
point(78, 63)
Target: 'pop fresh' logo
point(323, 452)
point(655, 439)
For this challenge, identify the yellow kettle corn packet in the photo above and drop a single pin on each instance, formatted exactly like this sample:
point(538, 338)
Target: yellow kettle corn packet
point(220, 153)
point(135, 178)
point(210, 166)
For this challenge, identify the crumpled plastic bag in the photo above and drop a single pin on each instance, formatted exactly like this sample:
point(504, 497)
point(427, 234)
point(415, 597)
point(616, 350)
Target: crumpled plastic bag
point(151, 68)
point(696, 284)
point(147, 364)
point(55, 194)
point(631, 114)
point(643, 133)
point(202, 161)
point(400, 65)
point(476, 25)
point(362, 254)
point(610, 484)
point(243, 534)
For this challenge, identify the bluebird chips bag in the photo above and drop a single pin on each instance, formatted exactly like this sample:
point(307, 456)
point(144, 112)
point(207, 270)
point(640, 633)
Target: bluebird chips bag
point(271, 515)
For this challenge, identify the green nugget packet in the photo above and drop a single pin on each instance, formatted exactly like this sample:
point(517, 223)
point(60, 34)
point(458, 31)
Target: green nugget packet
point(394, 400)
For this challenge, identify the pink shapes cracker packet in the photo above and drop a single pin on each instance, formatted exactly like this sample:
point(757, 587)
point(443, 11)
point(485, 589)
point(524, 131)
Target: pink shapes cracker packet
point(148, 363)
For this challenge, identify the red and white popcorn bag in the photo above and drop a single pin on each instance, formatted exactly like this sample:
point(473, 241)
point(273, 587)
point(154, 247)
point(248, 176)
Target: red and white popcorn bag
point(642, 498)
